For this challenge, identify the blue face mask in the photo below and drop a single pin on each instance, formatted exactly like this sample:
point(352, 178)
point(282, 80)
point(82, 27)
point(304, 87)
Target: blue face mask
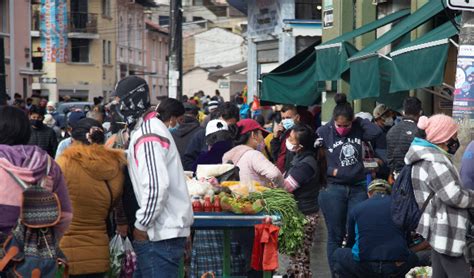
point(288, 123)
point(173, 129)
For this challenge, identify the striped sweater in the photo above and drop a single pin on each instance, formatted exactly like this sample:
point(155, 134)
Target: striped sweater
point(158, 181)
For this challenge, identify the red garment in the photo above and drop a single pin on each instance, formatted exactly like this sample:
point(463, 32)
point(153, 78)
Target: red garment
point(265, 247)
point(281, 161)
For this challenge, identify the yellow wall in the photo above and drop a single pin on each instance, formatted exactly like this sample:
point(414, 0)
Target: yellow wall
point(95, 76)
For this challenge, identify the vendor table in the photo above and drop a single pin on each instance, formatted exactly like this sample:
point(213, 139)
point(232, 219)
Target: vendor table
point(227, 221)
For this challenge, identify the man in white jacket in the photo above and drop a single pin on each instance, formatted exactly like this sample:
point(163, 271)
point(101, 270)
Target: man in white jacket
point(165, 212)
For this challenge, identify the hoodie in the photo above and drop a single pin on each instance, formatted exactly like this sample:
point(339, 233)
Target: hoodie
point(29, 163)
point(467, 167)
point(345, 153)
point(253, 166)
point(182, 136)
point(445, 218)
point(94, 176)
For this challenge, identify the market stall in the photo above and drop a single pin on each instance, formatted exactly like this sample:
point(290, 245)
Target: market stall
point(231, 205)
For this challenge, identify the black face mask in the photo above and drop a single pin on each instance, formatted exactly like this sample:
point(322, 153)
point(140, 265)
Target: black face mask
point(453, 145)
point(36, 123)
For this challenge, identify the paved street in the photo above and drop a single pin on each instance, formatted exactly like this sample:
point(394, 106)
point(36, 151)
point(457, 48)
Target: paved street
point(319, 263)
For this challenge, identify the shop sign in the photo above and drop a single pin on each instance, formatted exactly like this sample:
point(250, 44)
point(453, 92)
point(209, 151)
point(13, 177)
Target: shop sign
point(463, 104)
point(461, 5)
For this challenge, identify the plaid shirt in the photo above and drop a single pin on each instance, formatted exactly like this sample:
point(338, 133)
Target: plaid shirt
point(445, 219)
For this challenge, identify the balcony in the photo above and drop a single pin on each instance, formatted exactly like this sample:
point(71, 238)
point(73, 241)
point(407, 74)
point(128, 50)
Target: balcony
point(82, 25)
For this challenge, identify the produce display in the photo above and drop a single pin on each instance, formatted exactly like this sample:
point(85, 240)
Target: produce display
point(249, 199)
point(280, 202)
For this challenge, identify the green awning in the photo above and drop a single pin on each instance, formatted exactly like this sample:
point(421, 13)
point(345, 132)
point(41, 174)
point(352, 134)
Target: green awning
point(366, 67)
point(332, 55)
point(293, 82)
point(422, 62)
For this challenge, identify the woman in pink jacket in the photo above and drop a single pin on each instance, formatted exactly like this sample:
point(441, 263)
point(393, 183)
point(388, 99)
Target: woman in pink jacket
point(247, 155)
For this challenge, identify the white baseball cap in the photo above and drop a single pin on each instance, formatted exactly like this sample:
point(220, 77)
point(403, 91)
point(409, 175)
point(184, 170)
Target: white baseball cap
point(215, 126)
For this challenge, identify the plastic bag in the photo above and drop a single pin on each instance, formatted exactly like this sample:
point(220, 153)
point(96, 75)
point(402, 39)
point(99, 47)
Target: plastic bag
point(129, 261)
point(117, 253)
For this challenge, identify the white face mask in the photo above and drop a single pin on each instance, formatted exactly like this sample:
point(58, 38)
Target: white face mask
point(290, 146)
point(388, 121)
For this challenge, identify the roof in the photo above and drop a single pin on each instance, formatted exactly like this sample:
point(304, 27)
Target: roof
point(156, 27)
point(217, 74)
point(240, 5)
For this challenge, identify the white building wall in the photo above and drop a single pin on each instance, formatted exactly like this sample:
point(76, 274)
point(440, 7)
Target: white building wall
point(196, 80)
point(218, 47)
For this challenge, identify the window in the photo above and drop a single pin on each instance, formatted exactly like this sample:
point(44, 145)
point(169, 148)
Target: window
point(25, 87)
point(104, 52)
point(308, 9)
point(3, 16)
point(79, 51)
point(121, 52)
point(106, 8)
point(164, 20)
point(109, 52)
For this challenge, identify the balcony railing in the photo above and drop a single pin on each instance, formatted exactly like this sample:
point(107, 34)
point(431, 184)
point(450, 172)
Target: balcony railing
point(82, 22)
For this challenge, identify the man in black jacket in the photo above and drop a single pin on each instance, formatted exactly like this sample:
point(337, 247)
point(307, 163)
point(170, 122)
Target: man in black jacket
point(41, 135)
point(182, 136)
point(400, 136)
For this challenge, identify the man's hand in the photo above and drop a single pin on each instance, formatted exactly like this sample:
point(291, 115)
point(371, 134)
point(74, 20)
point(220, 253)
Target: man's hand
point(278, 130)
point(140, 235)
point(122, 230)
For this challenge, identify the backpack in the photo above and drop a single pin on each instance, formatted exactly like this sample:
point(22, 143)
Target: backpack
point(405, 211)
point(32, 249)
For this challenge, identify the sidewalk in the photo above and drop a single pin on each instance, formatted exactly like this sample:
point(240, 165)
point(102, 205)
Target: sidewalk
point(319, 262)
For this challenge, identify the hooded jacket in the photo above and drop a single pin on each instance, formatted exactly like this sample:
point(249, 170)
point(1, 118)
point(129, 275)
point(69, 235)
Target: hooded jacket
point(253, 165)
point(158, 181)
point(29, 164)
point(445, 218)
point(87, 170)
point(345, 153)
point(185, 132)
point(467, 167)
point(44, 138)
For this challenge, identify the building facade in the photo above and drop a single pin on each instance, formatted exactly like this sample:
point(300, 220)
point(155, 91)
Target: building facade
point(156, 51)
point(15, 22)
point(81, 65)
point(276, 31)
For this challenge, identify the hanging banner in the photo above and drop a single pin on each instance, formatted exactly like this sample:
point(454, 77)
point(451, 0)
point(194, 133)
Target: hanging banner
point(53, 30)
point(463, 105)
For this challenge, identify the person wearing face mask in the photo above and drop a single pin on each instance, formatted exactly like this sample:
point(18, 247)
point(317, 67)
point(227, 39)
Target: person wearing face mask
point(253, 165)
point(88, 166)
point(41, 135)
point(342, 139)
point(444, 221)
point(219, 140)
point(171, 113)
point(165, 215)
point(383, 119)
point(289, 117)
point(303, 180)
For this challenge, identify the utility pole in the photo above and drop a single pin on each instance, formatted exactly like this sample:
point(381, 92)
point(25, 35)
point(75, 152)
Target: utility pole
point(175, 58)
point(463, 110)
point(3, 87)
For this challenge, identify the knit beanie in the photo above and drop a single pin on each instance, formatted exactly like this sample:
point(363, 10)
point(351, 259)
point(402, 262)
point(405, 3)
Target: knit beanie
point(438, 128)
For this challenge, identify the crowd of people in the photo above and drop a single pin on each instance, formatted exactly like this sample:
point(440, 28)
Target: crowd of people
point(119, 168)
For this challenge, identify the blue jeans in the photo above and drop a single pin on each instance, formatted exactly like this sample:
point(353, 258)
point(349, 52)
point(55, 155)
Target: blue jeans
point(336, 201)
point(158, 258)
point(346, 266)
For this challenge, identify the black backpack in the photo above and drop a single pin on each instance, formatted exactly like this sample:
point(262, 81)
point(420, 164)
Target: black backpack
point(406, 213)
